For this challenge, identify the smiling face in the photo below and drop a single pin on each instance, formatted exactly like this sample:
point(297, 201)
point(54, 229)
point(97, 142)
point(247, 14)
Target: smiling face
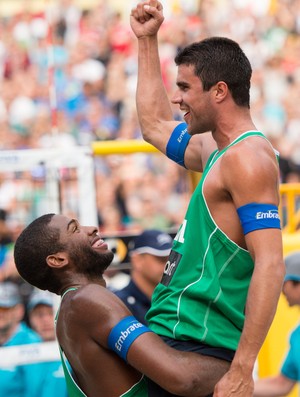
point(87, 252)
point(193, 100)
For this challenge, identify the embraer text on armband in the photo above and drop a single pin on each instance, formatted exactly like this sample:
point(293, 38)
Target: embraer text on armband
point(124, 334)
point(177, 143)
point(256, 216)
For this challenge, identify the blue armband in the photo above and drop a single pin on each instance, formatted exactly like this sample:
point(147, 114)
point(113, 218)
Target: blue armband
point(124, 334)
point(255, 216)
point(177, 144)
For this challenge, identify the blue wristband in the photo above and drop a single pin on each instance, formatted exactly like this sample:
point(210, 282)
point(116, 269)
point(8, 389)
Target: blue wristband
point(255, 216)
point(177, 144)
point(124, 334)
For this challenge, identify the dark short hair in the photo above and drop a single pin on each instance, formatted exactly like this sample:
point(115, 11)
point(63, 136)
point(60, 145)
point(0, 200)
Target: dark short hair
point(34, 244)
point(220, 59)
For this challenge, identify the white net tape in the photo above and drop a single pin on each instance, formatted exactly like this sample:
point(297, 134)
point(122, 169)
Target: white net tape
point(12, 356)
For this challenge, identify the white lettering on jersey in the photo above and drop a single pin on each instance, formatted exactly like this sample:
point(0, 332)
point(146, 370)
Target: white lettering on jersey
point(180, 234)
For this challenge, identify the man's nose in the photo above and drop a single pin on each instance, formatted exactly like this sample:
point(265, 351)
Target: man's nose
point(176, 98)
point(91, 230)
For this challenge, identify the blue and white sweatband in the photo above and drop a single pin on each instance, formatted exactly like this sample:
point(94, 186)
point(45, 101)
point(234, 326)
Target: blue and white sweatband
point(177, 144)
point(124, 334)
point(255, 216)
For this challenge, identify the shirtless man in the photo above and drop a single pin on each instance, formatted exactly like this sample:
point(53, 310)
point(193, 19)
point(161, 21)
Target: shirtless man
point(215, 296)
point(106, 347)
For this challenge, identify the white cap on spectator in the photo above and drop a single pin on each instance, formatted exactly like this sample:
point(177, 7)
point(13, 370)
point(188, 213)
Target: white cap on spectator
point(21, 109)
point(9, 294)
point(40, 298)
point(89, 71)
point(292, 264)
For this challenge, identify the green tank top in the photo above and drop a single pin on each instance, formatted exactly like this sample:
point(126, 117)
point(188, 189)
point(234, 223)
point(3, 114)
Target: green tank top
point(137, 390)
point(204, 287)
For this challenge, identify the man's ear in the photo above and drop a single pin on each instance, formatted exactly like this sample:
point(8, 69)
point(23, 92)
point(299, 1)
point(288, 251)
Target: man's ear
point(58, 260)
point(221, 91)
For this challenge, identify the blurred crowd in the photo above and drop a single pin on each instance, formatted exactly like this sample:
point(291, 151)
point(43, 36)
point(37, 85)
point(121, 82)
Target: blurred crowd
point(30, 364)
point(68, 78)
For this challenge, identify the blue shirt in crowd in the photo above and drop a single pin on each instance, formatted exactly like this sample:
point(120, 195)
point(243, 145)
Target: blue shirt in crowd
point(30, 380)
point(291, 365)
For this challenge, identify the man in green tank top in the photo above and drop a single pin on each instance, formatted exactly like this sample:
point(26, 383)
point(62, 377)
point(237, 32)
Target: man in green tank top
point(105, 351)
point(215, 296)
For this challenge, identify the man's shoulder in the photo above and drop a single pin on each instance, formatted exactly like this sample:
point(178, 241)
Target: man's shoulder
point(252, 143)
point(254, 154)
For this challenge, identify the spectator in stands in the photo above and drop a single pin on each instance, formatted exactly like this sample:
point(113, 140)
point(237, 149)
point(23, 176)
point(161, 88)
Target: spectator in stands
point(15, 380)
point(283, 383)
point(7, 267)
point(41, 314)
point(148, 255)
point(41, 319)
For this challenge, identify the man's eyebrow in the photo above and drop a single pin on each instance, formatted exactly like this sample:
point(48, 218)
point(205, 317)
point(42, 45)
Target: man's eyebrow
point(182, 84)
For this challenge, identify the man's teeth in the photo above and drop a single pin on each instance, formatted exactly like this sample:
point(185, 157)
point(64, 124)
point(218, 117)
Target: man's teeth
point(98, 243)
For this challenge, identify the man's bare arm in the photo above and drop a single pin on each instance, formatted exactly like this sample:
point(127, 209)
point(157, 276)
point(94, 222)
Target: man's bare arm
point(181, 373)
point(153, 105)
point(254, 181)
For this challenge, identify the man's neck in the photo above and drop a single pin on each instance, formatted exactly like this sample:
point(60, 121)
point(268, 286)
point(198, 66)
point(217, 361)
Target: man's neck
point(230, 128)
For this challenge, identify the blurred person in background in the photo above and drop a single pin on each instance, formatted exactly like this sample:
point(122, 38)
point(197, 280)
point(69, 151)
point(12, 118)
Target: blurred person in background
point(41, 319)
point(148, 253)
point(7, 266)
point(15, 380)
point(283, 383)
point(8, 271)
point(151, 214)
